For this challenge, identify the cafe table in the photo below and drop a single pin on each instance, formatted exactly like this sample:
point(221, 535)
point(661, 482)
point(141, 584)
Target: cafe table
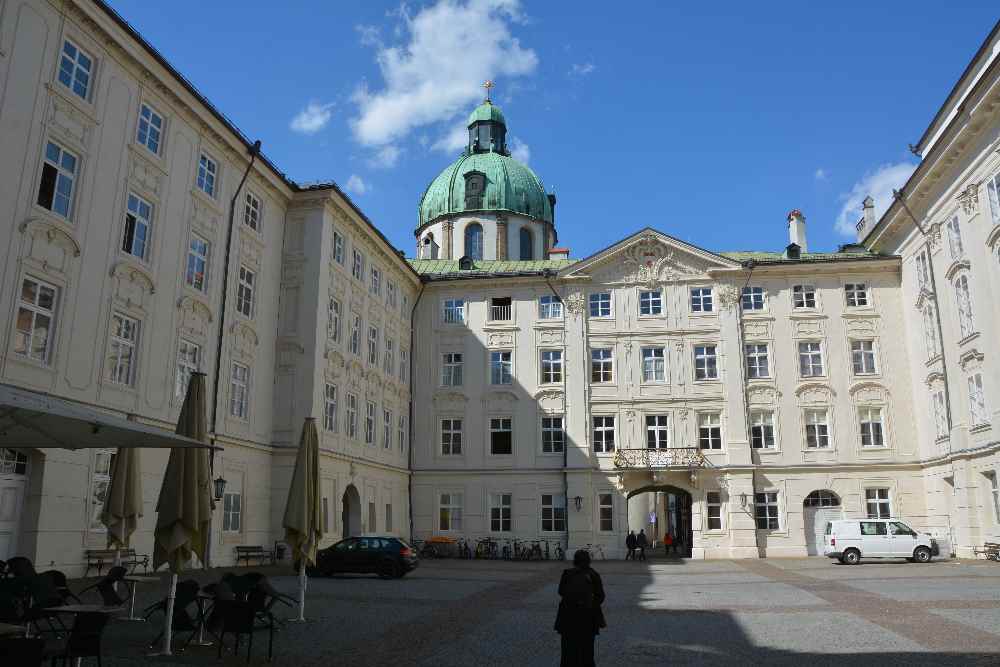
point(12, 630)
point(134, 580)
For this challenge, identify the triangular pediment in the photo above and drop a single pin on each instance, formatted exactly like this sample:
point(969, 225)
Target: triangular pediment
point(649, 257)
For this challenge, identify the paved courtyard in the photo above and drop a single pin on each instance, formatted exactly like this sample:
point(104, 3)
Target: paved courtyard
point(778, 611)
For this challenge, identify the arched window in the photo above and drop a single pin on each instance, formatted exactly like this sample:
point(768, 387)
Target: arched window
point(965, 321)
point(474, 241)
point(527, 245)
point(822, 498)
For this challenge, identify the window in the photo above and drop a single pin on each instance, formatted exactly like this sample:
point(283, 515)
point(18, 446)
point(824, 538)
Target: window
point(753, 298)
point(930, 331)
point(338, 247)
point(245, 292)
point(451, 369)
point(762, 429)
point(600, 304)
point(388, 517)
point(402, 433)
point(601, 365)
point(35, 320)
point(552, 435)
point(334, 315)
point(372, 346)
point(13, 462)
point(454, 311)
point(873, 528)
point(803, 296)
point(877, 503)
point(358, 266)
point(330, 408)
point(977, 401)
point(355, 343)
point(370, 423)
point(474, 241)
point(553, 513)
point(706, 364)
point(371, 522)
point(450, 511)
point(232, 512)
point(451, 437)
point(604, 434)
point(765, 506)
point(75, 69)
point(122, 356)
point(404, 364)
point(923, 271)
point(386, 429)
point(500, 512)
point(650, 303)
point(252, 212)
point(810, 359)
point(549, 307)
point(197, 263)
point(501, 309)
point(657, 431)
point(965, 320)
point(552, 363)
point(653, 364)
point(758, 365)
point(955, 239)
point(991, 477)
point(709, 430)
point(993, 192)
point(207, 171)
point(135, 240)
point(501, 436)
point(713, 510)
point(821, 498)
point(940, 414)
point(871, 427)
point(376, 281)
point(55, 191)
point(150, 129)
point(188, 356)
point(527, 247)
point(352, 416)
point(817, 429)
point(701, 300)
point(863, 357)
point(605, 512)
point(239, 384)
point(389, 356)
point(100, 480)
point(390, 294)
point(501, 368)
point(856, 295)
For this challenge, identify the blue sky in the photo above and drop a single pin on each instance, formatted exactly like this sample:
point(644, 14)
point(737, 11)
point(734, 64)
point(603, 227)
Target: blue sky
point(707, 121)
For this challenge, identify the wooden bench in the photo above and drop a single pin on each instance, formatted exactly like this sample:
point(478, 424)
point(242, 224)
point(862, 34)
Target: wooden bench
point(99, 558)
point(990, 549)
point(251, 552)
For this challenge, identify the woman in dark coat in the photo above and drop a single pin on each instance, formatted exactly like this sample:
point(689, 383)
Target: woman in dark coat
point(580, 617)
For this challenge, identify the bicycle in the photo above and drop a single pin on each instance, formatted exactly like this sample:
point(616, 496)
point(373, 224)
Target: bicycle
point(560, 552)
point(536, 550)
point(463, 548)
point(592, 548)
point(546, 549)
point(425, 550)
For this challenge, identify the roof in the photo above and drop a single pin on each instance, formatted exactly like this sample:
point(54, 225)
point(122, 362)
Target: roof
point(448, 268)
point(487, 111)
point(759, 257)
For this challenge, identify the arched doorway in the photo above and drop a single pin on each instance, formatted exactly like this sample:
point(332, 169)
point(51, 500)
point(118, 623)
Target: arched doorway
point(659, 509)
point(352, 512)
point(819, 508)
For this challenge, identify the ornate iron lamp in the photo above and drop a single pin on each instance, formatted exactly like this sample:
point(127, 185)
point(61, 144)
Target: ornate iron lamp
point(219, 487)
point(578, 501)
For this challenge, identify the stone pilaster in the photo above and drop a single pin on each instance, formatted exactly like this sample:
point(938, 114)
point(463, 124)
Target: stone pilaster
point(448, 231)
point(501, 239)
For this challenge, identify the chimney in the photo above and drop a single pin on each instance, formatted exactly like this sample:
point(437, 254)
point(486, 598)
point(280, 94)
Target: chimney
point(558, 253)
point(797, 229)
point(867, 222)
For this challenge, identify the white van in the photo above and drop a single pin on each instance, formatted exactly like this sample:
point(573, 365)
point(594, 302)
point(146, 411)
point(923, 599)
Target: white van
point(850, 540)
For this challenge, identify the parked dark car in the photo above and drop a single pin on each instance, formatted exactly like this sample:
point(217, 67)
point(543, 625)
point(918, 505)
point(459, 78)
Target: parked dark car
point(388, 557)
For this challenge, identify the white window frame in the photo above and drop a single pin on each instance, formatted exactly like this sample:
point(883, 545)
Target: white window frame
point(710, 437)
point(550, 307)
point(713, 511)
point(450, 435)
point(597, 302)
point(453, 311)
point(335, 315)
point(955, 245)
point(550, 369)
point(373, 336)
point(657, 431)
point(816, 422)
point(232, 512)
point(194, 258)
point(763, 431)
point(339, 246)
point(878, 502)
point(154, 129)
point(603, 433)
point(71, 70)
point(358, 265)
point(553, 434)
point(501, 512)
point(207, 178)
point(246, 292)
point(138, 217)
point(450, 509)
point(994, 491)
point(370, 423)
point(354, 344)
point(856, 295)
point(376, 281)
point(871, 427)
point(652, 302)
point(922, 270)
point(963, 297)
point(404, 364)
point(702, 300)
point(993, 194)
point(654, 366)
point(352, 416)
point(602, 366)
point(804, 297)
point(188, 362)
point(330, 407)
point(25, 341)
point(389, 356)
point(706, 362)
point(386, 428)
point(63, 174)
point(753, 298)
point(605, 512)
point(100, 482)
point(555, 508)
point(931, 340)
point(124, 349)
point(758, 358)
point(253, 212)
point(501, 367)
point(979, 414)
point(766, 508)
point(452, 364)
point(402, 433)
point(239, 391)
point(809, 352)
point(940, 414)
point(864, 356)
point(501, 424)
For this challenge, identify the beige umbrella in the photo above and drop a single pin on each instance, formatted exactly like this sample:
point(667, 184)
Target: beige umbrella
point(123, 500)
point(185, 505)
point(303, 518)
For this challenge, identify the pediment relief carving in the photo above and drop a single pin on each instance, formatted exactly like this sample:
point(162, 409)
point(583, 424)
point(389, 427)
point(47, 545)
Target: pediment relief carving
point(133, 286)
point(245, 340)
point(809, 327)
point(815, 393)
point(549, 394)
point(993, 238)
point(860, 326)
point(649, 261)
point(934, 379)
point(955, 268)
point(146, 177)
point(195, 316)
point(69, 121)
point(757, 328)
point(968, 197)
point(763, 395)
point(502, 339)
point(869, 392)
point(926, 296)
point(444, 399)
point(335, 361)
point(549, 336)
point(499, 398)
point(51, 233)
point(971, 360)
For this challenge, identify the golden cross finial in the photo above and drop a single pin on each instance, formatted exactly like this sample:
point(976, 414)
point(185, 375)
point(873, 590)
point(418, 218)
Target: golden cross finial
point(487, 85)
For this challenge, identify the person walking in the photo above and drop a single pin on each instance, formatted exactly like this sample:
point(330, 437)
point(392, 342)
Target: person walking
point(642, 542)
point(579, 619)
point(630, 545)
point(668, 543)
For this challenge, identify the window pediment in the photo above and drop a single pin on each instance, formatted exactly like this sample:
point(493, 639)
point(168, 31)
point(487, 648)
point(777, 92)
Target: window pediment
point(956, 268)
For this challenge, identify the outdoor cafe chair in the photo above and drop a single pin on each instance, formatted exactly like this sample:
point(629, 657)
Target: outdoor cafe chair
point(22, 651)
point(185, 595)
point(58, 580)
point(19, 566)
point(106, 587)
point(240, 617)
point(84, 640)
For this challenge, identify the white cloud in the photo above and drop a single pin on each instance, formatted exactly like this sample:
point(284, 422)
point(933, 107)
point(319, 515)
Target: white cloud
point(820, 174)
point(370, 35)
point(312, 119)
point(355, 185)
point(385, 157)
point(453, 141)
point(581, 69)
point(445, 52)
point(519, 150)
point(879, 184)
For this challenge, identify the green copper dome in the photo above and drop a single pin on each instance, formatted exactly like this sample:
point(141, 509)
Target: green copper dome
point(487, 111)
point(508, 186)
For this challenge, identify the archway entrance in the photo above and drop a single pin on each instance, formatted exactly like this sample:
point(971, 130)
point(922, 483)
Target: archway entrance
point(819, 508)
point(351, 517)
point(659, 510)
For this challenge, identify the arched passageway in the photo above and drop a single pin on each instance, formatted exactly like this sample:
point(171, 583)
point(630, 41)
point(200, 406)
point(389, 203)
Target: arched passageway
point(819, 508)
point(661, 509)
point(352, 512)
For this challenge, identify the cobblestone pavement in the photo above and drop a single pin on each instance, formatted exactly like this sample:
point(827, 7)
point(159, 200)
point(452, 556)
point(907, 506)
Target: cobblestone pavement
point(778, 611)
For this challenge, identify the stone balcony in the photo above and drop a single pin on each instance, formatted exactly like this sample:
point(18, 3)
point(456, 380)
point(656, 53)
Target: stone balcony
point(659, 459)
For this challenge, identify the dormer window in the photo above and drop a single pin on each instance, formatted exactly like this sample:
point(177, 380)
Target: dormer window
point(475, 186)
point(500, 309)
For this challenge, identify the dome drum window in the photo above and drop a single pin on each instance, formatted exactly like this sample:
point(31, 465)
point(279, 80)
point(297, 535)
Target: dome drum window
point(475, 187)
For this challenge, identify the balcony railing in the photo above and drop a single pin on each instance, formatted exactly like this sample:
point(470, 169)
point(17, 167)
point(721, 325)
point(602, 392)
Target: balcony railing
point(500, 313)
point(653, 459)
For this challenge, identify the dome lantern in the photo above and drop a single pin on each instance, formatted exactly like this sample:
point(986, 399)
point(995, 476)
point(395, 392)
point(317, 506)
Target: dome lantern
point(487, 127)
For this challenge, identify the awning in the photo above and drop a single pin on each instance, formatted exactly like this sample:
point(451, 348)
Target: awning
point(32, 419)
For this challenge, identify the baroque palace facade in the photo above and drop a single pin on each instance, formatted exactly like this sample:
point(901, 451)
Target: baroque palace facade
point(492, 386)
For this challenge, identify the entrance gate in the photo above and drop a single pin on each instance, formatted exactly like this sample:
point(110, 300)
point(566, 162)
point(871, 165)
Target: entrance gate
point(659, 509)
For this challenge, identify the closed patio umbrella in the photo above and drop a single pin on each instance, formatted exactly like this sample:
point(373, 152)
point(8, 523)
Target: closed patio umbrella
point(302, 522)
point(185, 505)
point(123, 500)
